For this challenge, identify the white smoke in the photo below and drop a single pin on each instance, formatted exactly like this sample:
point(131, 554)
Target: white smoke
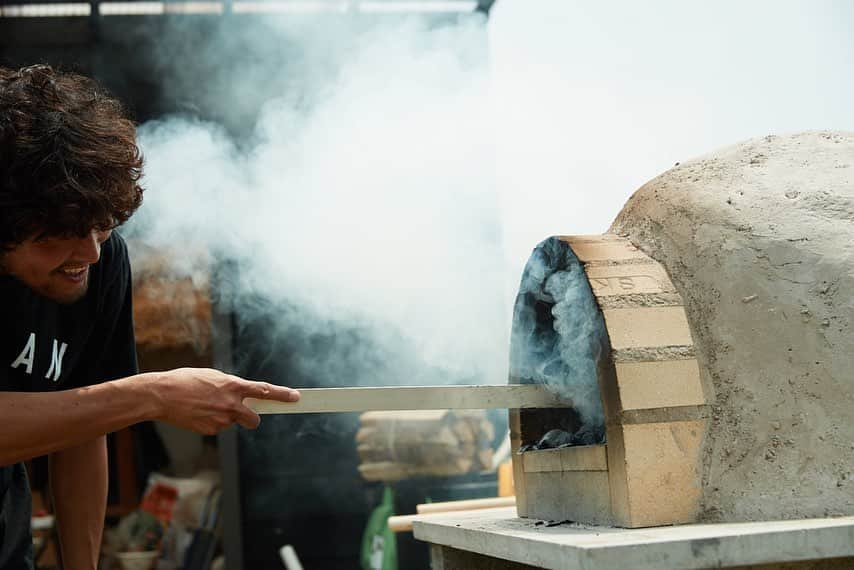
point(369, 200)
point(369, 190)
point(558, 335)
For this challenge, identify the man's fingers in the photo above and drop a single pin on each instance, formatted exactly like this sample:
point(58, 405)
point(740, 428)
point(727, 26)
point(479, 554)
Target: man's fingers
point(265, 391)
point(247, 418)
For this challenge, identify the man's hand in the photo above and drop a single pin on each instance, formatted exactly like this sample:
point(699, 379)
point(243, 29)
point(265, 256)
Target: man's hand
point(206, 401)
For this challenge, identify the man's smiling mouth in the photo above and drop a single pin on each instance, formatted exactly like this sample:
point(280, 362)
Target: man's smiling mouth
point(74, 273)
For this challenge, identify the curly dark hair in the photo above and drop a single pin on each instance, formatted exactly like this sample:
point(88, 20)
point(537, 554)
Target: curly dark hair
point(69, 162)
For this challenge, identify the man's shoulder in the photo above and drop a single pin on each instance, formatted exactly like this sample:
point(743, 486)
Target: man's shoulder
point(115, 249)
point(114, 266)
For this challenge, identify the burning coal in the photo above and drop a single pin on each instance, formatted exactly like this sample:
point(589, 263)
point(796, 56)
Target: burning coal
point(558, 337)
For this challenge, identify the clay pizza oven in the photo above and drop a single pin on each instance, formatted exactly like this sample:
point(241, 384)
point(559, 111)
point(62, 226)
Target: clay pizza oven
point(707, 343)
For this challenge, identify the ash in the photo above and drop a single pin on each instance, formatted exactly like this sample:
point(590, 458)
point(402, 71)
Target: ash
point(557, 438)
point(558, 338)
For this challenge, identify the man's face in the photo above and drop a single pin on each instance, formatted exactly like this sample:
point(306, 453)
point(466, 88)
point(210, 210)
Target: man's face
point(55, 267)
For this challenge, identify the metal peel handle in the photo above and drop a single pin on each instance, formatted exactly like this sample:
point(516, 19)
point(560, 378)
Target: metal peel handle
point(455, 397)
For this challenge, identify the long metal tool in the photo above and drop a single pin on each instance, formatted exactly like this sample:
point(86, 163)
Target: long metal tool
point(318, 400)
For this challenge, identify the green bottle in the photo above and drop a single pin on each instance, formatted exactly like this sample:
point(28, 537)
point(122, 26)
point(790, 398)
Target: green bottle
point(379, 546)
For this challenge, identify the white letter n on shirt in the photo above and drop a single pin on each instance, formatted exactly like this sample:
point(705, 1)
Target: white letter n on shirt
point(56, 361)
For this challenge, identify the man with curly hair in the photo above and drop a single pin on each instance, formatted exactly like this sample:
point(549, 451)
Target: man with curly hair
point(69, 176)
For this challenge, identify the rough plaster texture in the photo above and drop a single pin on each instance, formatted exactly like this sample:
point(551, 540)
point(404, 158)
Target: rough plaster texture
point(759, 240)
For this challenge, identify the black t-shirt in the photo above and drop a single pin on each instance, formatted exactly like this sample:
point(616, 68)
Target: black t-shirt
point(46, 346)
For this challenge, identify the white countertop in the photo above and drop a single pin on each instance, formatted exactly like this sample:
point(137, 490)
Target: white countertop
point(499, 533)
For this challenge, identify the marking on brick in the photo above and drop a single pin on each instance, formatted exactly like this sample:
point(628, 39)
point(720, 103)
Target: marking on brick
point(604, 286)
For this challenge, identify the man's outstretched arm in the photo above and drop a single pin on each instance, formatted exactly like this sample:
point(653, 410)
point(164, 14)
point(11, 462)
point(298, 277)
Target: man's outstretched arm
point(198, 399)
point(78, 480)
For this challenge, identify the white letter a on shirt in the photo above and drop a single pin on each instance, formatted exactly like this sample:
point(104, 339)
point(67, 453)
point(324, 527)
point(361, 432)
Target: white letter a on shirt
point(28, 354)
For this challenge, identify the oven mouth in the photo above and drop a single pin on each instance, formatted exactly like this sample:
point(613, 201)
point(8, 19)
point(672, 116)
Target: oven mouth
point(559, 339)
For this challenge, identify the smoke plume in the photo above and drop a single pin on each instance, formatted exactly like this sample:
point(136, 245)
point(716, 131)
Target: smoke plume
point(558, 331)
point(362, 201)
point(348, 163)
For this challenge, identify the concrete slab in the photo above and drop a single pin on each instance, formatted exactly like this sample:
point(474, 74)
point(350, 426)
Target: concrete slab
point(498, 533)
